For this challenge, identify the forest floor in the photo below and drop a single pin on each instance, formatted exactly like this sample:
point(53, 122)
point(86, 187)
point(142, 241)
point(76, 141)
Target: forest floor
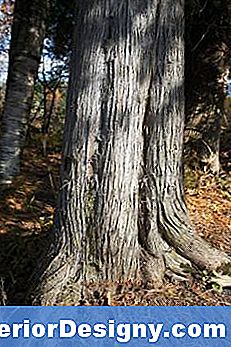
point(27, 209)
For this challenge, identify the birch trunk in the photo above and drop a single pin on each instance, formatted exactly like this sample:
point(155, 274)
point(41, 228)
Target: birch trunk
point(27, 37)
point(121, 212)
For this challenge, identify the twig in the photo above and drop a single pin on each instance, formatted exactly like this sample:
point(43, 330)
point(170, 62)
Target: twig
point(3, 293)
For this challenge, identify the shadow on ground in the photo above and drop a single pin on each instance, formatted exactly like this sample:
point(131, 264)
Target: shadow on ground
point(26, 215)
point(20, 255)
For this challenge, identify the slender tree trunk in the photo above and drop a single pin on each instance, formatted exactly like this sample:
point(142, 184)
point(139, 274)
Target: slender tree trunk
point(121, 212)
point(27, 37)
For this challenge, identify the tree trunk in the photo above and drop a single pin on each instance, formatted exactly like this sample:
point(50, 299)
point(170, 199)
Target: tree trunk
point(121, 213)
point(27, 37)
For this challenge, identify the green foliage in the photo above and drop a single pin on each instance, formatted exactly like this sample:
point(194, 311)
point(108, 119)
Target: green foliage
point(60, 27)
point(48, 112)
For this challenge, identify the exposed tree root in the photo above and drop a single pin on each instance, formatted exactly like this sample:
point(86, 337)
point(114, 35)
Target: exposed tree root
point(60, 276)
point(174, 249)
point(223, 281)
point(177, 231)
point(63, 284)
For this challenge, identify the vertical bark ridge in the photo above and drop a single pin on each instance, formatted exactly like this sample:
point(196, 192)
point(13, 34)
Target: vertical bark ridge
point(121, 209)
point(153, 243)
point(164, 153)
point(103, 144)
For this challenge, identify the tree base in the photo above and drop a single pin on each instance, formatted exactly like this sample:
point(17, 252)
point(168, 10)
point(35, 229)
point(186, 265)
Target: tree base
point(62, 283)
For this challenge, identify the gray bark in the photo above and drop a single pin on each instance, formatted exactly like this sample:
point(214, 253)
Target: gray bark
point(121, 213)
point(28, 31)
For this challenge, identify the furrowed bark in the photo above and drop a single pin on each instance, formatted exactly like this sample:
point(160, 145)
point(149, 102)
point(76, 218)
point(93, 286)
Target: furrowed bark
point(121, 213)
point(98, 210)
point(163, 130)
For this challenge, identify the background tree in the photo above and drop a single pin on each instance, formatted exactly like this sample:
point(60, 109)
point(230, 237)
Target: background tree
point(208, 37)
point(27, 37)
point(60, 28)
point(121, 212)
point(6, 11)
point(47, 114)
